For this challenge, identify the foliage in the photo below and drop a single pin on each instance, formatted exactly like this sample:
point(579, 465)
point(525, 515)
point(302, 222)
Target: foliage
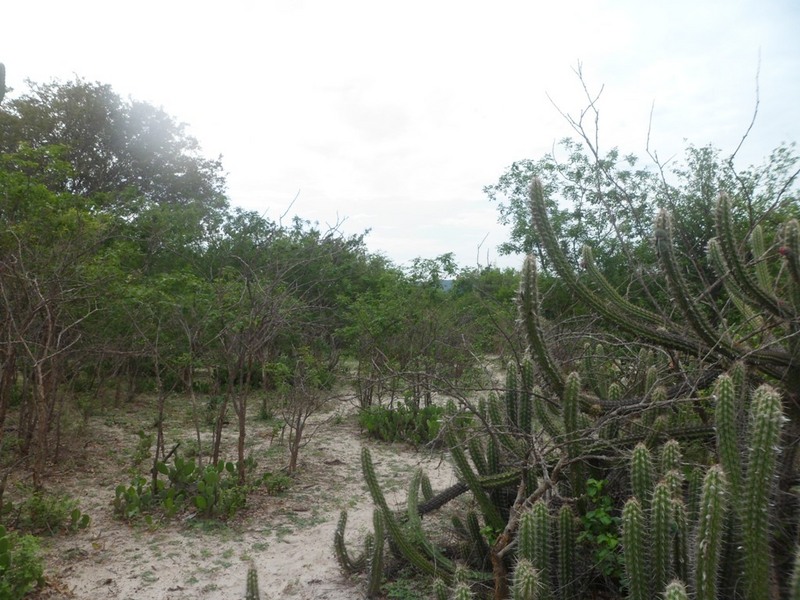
point(685, 357)
point(402, 424)
point(212, 491)
point(601, 530)
point(43, 512)
point(21, 569)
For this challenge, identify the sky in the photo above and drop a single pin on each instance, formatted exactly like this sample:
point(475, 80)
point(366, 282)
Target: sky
point(393, 116)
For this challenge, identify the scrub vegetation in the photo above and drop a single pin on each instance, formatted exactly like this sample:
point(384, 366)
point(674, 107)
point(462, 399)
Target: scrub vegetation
point(621, 413)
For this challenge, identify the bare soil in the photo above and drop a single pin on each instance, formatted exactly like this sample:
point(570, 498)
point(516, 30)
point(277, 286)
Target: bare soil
point(288, 537)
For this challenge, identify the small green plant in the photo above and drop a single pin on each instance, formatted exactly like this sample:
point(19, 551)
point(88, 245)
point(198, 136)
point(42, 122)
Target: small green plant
point(212, 491)
point(141, 452)
point(21, 568)
point(46, 513)
point(601, 530)
point(402, 424)
point(275, 483)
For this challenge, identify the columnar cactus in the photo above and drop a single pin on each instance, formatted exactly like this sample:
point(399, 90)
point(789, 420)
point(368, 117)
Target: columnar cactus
point(633, 545)
point(766, 421)
point(252, 592)
point(376, 560)
point(708, 545)
point(567, 573)
point(661, 524)
point(526, 585)
point(642, 475)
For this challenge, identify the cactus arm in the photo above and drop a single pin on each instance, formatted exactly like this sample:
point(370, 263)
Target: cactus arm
point(660, 528)
point(634, 327)
point(252, 592)
point(376, 560)
point(347, 564)
point(527, 582)
point(711, 520)
point(730, 253)
point(529, 308)
point(566, 553)
point(488, 508)
point(442, 569)
point(676, 590)
point(766, 421)
point(634, 549)
point(511, 395)
point(680, 289)
point(525, 397)
point(642, 475)
point(608, 291)
point(727, 430)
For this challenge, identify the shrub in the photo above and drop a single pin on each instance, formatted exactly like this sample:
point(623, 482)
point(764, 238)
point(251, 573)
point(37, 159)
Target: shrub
point(20, 564)
point(401, 424)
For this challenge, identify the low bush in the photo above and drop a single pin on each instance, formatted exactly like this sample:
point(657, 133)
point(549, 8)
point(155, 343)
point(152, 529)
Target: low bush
point(213, 491)
point(401, 424)
point(21, 569)
point(45, 513)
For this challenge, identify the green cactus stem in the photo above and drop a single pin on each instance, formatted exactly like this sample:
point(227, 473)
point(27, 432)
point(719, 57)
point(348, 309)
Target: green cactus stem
point(551, 424)
point(676, 590)
point(528, 307)
point(794, 583)
point(440, 589)
point(527, 583)
point(608, 310)
point(608, 292)
point(541, 545)
point(348, 565)
point(252, 592)
point(479, 546)
point(670, 458)
point(680, 548)
point(462, 591)
point(491, 513)
point(566, 553)
point(757, 295)
point(642, 475)
point(571, 432)
point(680, 289)
point(442, 568)
point(634, 550)
point(711, 520)
point(661, 523)
point(511, 395)
point(727, 430)
point(376, 560)
point(525, 397)
point(765, 426)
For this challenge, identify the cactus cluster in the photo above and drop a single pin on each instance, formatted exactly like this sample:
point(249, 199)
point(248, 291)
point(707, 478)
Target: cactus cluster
point(686, 423)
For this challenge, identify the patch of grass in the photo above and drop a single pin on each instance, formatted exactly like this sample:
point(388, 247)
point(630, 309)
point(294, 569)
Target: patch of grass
point(149, 577)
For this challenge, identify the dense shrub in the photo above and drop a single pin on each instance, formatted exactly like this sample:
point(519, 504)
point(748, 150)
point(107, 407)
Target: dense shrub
point(401, 424)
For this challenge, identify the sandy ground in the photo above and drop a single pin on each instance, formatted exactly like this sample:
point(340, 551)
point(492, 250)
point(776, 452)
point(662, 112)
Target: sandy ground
point(289, 538)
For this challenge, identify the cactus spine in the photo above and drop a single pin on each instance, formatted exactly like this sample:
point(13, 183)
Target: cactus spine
point(376, 560)
point(633, 546)
point(642, 475)
point(252, 592)
point(676, 591)
point(709, 534)
point(566, 553)
point(766, 421)
point(661, 520)
point(526, 583)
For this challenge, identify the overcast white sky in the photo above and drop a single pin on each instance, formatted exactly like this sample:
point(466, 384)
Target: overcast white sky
point(395, 115)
